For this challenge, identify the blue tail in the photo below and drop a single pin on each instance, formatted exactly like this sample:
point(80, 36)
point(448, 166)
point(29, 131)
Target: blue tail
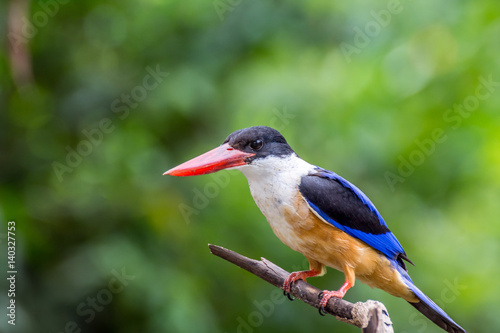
point(430, 309)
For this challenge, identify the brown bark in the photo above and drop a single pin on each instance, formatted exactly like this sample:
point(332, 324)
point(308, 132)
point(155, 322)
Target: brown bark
point(370, 316)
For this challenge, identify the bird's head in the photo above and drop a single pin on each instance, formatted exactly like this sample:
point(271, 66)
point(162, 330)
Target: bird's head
point(248, 146)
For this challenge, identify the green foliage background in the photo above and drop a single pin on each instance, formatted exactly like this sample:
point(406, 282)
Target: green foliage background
point(374, 100)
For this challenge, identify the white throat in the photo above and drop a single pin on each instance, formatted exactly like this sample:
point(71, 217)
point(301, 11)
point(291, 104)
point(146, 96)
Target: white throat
point(274, 182)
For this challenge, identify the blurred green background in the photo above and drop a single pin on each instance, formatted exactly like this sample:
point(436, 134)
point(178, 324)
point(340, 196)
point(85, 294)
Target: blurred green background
point(99, 98)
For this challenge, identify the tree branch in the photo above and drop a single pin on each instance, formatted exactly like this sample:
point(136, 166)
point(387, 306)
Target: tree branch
point(371, 316)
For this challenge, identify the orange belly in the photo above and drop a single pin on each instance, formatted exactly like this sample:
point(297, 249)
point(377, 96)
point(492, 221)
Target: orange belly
point(325, 245)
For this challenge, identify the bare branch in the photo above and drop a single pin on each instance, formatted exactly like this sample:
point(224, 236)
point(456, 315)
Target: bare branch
point(371, 316)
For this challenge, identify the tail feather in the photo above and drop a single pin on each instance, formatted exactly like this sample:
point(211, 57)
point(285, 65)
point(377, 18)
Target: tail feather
point(440, 318)
point(430, 309)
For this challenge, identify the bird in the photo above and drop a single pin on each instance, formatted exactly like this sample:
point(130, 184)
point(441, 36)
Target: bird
point(319, 214)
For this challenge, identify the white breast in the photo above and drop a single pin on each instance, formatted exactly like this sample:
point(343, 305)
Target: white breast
point(274, 184)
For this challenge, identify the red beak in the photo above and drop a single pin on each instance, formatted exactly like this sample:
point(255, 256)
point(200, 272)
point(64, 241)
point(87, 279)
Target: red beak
point(220, 158)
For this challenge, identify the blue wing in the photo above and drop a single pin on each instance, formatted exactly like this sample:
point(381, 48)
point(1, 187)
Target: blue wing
point(343, 205)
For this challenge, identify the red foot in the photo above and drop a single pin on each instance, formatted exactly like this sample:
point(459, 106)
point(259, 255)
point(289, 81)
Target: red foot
point(301, 275)
point(326, 295)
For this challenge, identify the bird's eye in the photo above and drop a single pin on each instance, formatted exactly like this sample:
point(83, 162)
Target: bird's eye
point(257, 144)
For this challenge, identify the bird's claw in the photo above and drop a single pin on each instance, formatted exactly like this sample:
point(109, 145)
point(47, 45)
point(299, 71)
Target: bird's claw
point(324, 296)
point(287, 294)
point(321, 308)
point(294, 276)
point(287, 286)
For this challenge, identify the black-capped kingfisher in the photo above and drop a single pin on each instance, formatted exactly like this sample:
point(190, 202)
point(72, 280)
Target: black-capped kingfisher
point(319, 214)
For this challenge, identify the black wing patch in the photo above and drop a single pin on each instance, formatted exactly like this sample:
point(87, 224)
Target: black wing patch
point(341, 204)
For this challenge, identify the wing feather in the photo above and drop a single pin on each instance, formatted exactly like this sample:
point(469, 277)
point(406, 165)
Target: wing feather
point(343, 205)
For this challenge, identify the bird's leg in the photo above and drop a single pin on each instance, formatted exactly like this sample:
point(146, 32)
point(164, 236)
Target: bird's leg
point(315, 269)
point(327, 294)
point(300, 275)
